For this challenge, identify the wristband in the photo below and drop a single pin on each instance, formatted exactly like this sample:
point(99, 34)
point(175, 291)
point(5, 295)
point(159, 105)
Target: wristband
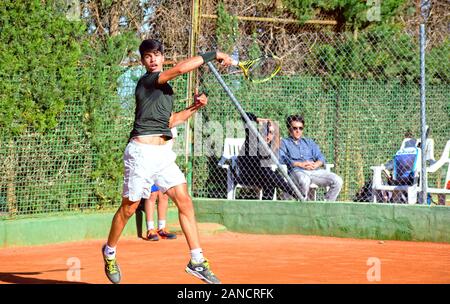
point(208, 56)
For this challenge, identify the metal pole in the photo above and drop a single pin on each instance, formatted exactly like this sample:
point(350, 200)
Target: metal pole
point(189, 134)
point(255, 131)
point(423, 175)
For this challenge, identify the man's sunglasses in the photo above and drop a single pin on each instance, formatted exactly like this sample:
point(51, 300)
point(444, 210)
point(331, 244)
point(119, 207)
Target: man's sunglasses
point(297, 128)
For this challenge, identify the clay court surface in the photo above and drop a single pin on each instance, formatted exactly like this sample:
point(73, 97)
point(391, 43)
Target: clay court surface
point(236, 259)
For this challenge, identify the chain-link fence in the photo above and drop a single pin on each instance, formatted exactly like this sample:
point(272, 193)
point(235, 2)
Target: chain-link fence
point(42, 174)
point(64, 170)
point(357, 92)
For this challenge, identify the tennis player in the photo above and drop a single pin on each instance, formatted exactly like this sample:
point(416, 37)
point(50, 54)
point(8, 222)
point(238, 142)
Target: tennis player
point(149, 160)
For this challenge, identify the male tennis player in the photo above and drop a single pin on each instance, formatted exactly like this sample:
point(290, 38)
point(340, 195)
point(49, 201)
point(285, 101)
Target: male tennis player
point(149, 160)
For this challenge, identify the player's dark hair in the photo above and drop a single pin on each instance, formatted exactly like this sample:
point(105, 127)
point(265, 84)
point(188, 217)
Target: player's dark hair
point(149, 45)
point(292, 118)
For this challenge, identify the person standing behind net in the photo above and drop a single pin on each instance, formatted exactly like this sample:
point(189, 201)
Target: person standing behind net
point(149, 160)
point(163, 203)
point(154, 234)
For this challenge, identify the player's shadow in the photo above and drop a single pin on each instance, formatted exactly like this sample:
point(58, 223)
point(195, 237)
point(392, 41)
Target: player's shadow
point(21, 278)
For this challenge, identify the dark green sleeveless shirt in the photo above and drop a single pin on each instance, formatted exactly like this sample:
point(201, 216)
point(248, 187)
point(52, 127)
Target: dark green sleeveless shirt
point(154, 105)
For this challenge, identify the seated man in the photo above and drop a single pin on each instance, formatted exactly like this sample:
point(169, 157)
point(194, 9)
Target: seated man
point(254, 166)
point(303, 158)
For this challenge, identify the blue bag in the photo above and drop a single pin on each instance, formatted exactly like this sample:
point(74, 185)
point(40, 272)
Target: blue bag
point(405, 164)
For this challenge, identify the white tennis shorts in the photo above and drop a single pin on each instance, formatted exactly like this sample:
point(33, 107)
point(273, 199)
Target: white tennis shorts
point(146, 165)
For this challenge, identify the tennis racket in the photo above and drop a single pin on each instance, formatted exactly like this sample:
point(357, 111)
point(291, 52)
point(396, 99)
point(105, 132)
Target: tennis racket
point(260, 69)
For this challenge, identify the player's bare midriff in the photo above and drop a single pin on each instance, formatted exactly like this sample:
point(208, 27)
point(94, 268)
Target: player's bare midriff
point(151, 140)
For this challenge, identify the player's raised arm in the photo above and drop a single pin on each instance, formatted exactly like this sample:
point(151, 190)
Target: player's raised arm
point(193, 63)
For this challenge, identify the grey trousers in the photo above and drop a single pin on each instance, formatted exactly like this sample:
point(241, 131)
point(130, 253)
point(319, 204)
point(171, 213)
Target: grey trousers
point(321, 178)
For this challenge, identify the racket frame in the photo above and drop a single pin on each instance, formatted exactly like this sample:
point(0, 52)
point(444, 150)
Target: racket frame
point(247, 64)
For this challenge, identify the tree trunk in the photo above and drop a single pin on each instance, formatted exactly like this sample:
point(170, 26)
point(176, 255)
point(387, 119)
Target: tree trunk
point(118, 9)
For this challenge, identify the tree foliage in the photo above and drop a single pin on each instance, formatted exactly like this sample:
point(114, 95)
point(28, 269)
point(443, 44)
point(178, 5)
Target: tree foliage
point(39, 64)
point(227, 29)
point(351, 14)
point(49, 62)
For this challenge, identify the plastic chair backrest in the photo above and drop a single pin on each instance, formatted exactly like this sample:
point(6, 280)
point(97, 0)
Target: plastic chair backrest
point(232, 146)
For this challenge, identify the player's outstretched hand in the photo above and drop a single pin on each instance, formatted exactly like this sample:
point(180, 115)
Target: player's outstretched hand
point(224, 59)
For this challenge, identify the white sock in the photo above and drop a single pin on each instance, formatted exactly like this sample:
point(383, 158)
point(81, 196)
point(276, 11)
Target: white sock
point(161, 224)
point(150, 225)
point(197, 256)
point(110, 252)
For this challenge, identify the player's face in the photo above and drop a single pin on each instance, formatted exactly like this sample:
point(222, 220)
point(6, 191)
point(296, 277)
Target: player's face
point(296, 129)
point(153, 61)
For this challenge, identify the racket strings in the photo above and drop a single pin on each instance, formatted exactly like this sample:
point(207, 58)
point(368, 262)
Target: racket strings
point(263, 69)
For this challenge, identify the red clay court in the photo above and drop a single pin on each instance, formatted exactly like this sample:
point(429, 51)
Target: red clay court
point(236, 259)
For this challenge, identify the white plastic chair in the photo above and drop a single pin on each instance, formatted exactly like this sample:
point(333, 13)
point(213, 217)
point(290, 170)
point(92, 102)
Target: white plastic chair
point(231, 148)
point(414, 190)
point(443, 160)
